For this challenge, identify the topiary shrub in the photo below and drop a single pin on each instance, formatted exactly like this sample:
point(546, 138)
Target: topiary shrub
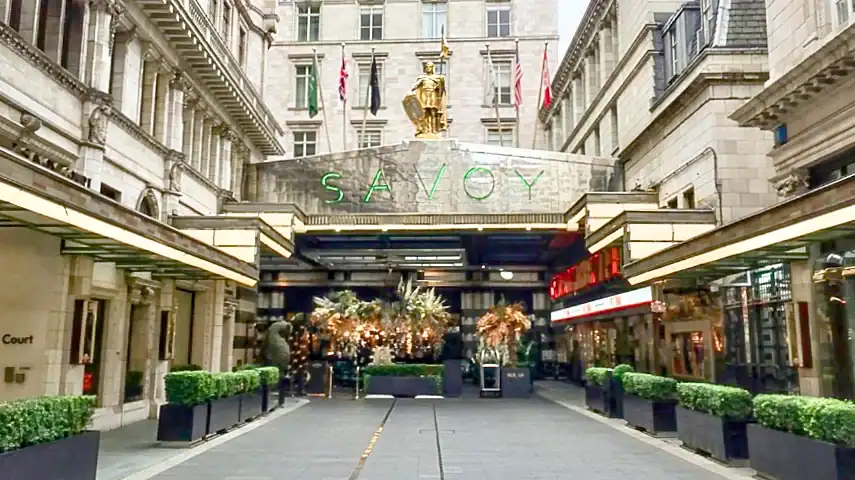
point(719, 400)
point(250, 380)
point(597, 375)
point(38, 420)
point(621, 370)
point(830, 420)
point(185, 368)
point(781, 412)
point(227, 384)
point(651, 387)
point(269, 375)
point(189, 387)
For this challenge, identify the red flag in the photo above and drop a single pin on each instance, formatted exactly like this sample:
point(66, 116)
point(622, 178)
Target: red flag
point(545, 85)
point(342, 80)
point(517, 81)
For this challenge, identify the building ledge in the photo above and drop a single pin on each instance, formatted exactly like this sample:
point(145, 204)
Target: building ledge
point(245, 238)
point(604, 206)
point(816, 74)
point(93, 225)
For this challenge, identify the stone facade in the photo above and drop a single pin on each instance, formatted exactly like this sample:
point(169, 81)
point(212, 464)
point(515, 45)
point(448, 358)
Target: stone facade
point(406, 43)
point(440, 176)
point(116, 105)
point(652, 83)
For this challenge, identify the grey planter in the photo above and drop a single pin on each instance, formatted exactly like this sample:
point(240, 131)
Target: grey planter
point(401, 386)
point(516, 382)
point(723, 439)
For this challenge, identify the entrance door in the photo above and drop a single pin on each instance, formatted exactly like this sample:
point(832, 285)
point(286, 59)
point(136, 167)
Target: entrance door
point(87, 342)
point(135, 359)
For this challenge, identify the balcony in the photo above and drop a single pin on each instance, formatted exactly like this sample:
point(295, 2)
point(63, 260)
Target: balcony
point(190, 31)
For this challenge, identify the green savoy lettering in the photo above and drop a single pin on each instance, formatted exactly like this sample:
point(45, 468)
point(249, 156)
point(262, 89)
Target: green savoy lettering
point(479, 183)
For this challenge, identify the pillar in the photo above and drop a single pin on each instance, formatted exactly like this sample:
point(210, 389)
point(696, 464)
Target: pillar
point(207, 342)
point(148, 104)
point(176, 121)
point(73, 51)
point(115, 337)
point(592, 70)
point(607, 53)
point(580, 103)
point(225, 174)
point(188, 137)
point(30, 20)
point(214, 150)
point(198, 137)
point(205, 144)
point(238, 158)
point(162, 105)
point(103, 17)
point(124, 83)
point(567, 110)
point(228, 335)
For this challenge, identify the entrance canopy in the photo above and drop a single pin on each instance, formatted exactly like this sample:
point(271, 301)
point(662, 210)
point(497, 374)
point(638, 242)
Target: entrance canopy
point(90, 224)
point(775, 235)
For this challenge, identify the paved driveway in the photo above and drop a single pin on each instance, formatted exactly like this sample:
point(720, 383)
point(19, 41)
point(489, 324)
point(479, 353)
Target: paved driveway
point(454, 439)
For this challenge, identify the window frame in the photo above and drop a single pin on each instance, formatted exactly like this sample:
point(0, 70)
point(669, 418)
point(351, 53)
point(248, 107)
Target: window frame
point(707, 19)
point(242, 45)
point(362, 92)
point(226, 13)
point(500, 65)
point(507, 135)
point(360, 137)
point(498, 7)
point(432, 8)
point(371, 11)
point(848, 9)
point(299, 16)
point(305, 88)
point(304, 143)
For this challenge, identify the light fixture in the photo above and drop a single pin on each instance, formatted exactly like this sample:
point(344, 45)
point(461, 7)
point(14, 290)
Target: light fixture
point(483, 267)
point(385, 229)
point(480, 229)
point(506, 275)
point(527, 229)
point(338, 229)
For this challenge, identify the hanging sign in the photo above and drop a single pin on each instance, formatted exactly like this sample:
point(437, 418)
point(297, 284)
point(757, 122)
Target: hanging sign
point(598, 268)
point(623, 301)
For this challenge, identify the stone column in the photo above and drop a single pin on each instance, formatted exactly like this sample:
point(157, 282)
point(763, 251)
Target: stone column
point(214, 151)
point(173, 171)
point(103, 18)
point(225, 174)
point(567, 109)
point(205, 144)
point(188, 144)
point(175, 132)
point(121, 84)
point(30, 21)
point(207, 342)
point(607, 53)
point(239, 156)
point(228, 335)
point(198, 137)
point(163, 110)
point(581, 101)
point(150, 69)
point(592, 69)
point(115, 327)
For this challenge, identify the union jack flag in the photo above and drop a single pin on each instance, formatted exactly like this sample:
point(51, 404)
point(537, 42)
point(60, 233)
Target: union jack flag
point(342, 80)
point(517, 81)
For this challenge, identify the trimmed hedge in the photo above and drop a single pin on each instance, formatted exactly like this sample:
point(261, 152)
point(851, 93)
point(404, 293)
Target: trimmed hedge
point(405, 370)
point(250, 380)
point(597, 375)
point(827, 419)
point(189, 387)
point(269, 375)
point(43, 419)
point(651, 387)
point(621, 370)
point(185, 368)
point(719, 400)
point(227, 384)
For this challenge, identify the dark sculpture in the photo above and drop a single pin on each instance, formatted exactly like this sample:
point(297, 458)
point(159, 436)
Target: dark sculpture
point(275, 348)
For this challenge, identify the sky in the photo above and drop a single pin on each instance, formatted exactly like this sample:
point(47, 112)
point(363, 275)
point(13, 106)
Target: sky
point(569, 15)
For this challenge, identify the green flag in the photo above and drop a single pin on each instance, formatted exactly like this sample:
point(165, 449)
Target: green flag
point(313, 89)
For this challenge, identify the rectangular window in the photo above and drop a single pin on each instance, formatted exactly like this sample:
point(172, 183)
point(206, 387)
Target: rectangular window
point(111, 193)
point(440, 68)
point(15, 7)
point(370, 138)
point(212, 10)
point(504, 137)
point(615, 131)
point(499, 19)
point(707, 24)
point(363, 80)
point(227, 22)
point(305, 144)
point(689, 198)
point(242, 47)
point(308, 23)
point(844, 12)
point(675, 57)
point(302, 86)
point(500, 86)
point(433, 19)
point(371, 23)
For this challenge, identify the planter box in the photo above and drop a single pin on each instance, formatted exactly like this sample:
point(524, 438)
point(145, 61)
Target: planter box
point(786, 456)
point(178, 423)
point(72, 458)
point(516, 383)
point(250, 405)
point(651, 416)
point(452, 378)
point(723, 439)
point(266, 404)
point(401, 386)
point(599, 399)
point(225, 413)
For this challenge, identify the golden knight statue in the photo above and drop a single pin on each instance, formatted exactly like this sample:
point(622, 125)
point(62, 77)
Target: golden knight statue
point(425, 105)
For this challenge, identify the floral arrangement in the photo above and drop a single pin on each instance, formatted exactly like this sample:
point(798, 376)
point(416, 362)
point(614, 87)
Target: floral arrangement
point(502, 326)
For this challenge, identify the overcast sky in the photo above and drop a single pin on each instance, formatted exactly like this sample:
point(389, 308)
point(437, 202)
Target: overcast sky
point(569, 15)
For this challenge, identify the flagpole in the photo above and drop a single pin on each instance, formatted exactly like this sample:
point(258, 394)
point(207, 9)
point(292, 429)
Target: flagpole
point(321, 94)
point(539, 97)
point(517, 107)
point(495, 96)
point(367, 101)
point(442, 46)
point(344, 108)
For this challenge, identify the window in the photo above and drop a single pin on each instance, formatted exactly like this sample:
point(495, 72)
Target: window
point(305, 143)
point(227, 22)
point(433, 19)
point(308, 23)
point(707, 24)
point(844, 11)
point(440, 67)
point(501, 83)
point(499, 19)
point(242, 47)
point(504, 137)
point(672, 203)
point(111, 193)
point(370, 138)
point(371, 23)
point(615, 131)
point(363, 80)
point(689, 198)
point(15, 7)
point(675, 58)
point(304, 72)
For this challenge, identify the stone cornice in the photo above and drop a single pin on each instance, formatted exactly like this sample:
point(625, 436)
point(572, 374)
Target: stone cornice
point(41, 61)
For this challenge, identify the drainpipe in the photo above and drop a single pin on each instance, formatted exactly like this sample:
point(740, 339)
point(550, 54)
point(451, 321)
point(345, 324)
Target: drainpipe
point(717, 181)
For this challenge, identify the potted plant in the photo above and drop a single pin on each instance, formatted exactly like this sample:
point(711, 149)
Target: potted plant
point(225, 401)
point(615, 385)
point(185, 417)
point(649, 402)
point(712, 419)
point(504, 324)
point(269, 377)
point(597, 396)
point(403, 380)
point(802, 437)
point(46, 437)
point(250, 394)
